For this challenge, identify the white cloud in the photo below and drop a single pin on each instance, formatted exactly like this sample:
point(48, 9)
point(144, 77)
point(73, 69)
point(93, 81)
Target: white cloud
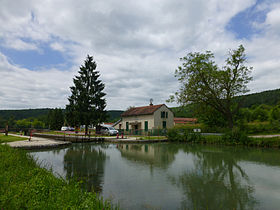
point(18, 44)
point(57, 46)
point(22, 88)
point(137, 45)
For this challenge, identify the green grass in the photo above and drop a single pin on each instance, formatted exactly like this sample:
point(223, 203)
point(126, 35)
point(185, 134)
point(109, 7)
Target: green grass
point(151, 137)
point(71, 134)
point(273, 142)
point(24, 185)
point(9, 138)
point(58, 133)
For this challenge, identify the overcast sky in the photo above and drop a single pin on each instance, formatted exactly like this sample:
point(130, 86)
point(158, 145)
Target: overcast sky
point(136, 44)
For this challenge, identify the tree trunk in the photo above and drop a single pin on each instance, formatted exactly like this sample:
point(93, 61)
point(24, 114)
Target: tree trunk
point(229, 119)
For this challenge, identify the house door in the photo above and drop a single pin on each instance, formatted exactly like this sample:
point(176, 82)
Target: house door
point(136, 129)
point(164, 124)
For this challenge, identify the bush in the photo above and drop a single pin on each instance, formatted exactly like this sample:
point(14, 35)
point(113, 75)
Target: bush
point(183, 133)
point(264, 127)
point(236, 136)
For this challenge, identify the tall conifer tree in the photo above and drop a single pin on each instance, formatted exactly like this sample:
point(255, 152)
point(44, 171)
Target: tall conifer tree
point(87, 104)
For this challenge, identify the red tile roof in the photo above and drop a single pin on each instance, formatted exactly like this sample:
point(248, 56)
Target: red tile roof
point(143, 110)
point(182, 120)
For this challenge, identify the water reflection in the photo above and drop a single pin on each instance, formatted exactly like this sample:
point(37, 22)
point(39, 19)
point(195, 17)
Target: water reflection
point(173, 176)
point(158, 155)
point(85, 163)
point(217, 181)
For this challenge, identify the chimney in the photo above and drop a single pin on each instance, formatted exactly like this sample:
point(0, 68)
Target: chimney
point(151, 102)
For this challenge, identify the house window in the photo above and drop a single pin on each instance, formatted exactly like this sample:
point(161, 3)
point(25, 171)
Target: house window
point(162, 114)
point(163, 124)
point(126, 126)
point(146, 125)
point(166, 114)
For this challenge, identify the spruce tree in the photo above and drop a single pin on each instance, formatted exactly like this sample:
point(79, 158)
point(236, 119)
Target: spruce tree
point(86, 104)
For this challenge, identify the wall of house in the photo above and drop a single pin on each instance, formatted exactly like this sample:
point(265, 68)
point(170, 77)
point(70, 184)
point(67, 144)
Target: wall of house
point(141, 119)
point(169, 120)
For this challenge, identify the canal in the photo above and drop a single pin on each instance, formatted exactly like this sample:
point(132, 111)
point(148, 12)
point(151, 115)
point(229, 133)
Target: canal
point(171, 175)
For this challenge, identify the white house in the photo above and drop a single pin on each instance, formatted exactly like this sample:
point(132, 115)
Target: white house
point(146, 118)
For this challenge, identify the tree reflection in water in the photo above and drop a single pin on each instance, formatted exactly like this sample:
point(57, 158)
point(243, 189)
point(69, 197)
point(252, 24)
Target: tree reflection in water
point(160, 156)
point(216, 182)
point(86, 163)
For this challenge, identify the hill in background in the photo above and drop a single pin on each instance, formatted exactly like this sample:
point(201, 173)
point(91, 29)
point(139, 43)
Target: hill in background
point(270, 97)
point(24, 113)
point(114, 115)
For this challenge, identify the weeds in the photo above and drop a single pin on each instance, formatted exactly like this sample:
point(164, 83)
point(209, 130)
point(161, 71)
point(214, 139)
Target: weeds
point(26, 186)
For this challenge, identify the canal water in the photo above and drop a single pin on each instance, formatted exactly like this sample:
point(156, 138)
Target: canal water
point(172, 176)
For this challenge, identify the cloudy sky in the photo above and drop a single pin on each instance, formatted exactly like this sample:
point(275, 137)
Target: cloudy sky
point(136, 44)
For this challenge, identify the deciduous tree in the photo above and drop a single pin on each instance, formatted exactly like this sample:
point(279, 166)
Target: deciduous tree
point(55, 119)
point(203, 82)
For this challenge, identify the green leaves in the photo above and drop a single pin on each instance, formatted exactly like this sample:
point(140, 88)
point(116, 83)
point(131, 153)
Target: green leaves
point(203, 82)
point(56, 119)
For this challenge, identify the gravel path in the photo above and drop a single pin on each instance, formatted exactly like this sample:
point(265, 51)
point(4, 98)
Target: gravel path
point(36, 143)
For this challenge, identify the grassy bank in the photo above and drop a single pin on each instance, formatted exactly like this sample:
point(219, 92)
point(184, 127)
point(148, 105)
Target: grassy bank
point(149, 137)
point(273, 142)
point(236, 137)
point(24, 185)
point(9, 138)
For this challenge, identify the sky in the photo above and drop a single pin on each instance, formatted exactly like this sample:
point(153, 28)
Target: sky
point(136, 45)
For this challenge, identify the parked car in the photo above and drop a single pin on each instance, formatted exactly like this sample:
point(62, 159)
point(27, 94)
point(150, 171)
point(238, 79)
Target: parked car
point(65, 128)
point(109, 131)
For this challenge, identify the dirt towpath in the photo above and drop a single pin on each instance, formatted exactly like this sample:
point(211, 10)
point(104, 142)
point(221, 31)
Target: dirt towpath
point(37, 143)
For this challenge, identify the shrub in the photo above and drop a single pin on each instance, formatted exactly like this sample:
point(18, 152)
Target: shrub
point(264, 127)
point(183, 133)
point(236, 136)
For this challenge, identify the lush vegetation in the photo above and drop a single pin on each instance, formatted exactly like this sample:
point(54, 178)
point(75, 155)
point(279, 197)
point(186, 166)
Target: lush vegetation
point(270, 97)
point(257, 119)
point(45, 121)
point(23, 113)
point(213, 88)
point(9, 138)
point(232, 137)
point(184, 111)
point(55, 119)
point(24, 185)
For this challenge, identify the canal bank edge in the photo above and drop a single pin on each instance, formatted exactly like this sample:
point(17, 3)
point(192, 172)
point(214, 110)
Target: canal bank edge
point(83, 139)
point(37, 143)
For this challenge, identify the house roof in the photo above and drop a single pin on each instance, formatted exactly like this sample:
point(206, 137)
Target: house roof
point(182, 120)
point(143, 110)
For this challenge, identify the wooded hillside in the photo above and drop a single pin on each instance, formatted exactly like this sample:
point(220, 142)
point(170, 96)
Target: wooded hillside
point(270, 97)
point(36, 113)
